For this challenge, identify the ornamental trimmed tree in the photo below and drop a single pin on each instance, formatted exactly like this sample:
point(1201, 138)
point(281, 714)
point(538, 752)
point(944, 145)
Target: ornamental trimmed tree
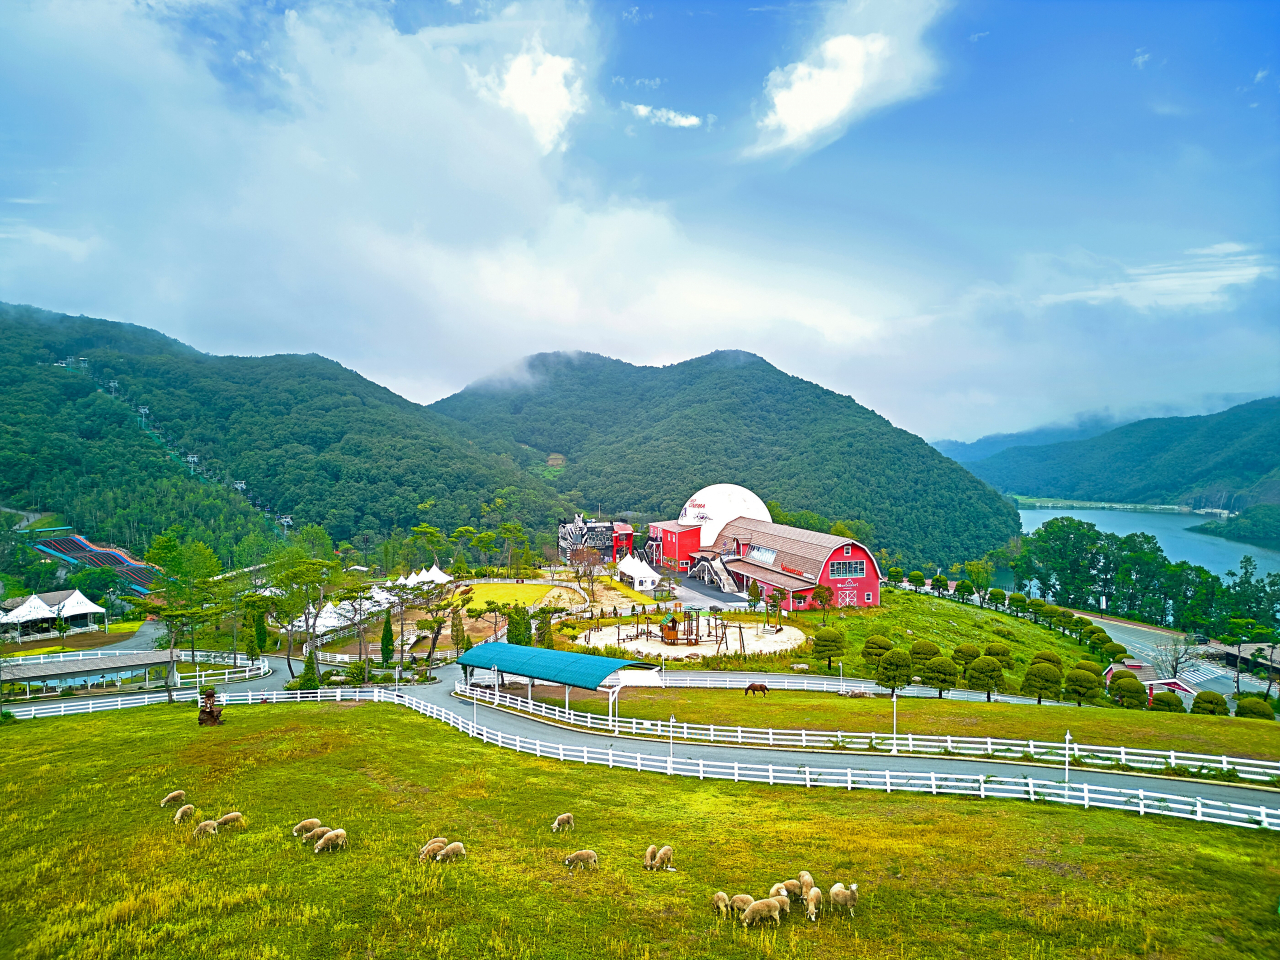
point(1166, 701)
point(996, 597)
point(1082, 685)
point(1042, 680)
point(894, 670)
point(1117, 676)
point(827, 644)
point(985, 674)
point(1255, 708)
point(938, 584)
point(310, 679)
point(964, 655)
point(1208, 703)
point(922, 651)
point(1115, 652)
point(1002, 653)
point(1047, 656)
point(1018, 603)
point(388, 640)
point(941, 674)
point(916, 579)
point(875, 647)
point(964, 590)
point(1090, 666)
point(1129, 693)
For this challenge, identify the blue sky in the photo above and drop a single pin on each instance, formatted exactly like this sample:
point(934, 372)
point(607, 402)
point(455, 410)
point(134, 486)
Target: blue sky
point(972, 217)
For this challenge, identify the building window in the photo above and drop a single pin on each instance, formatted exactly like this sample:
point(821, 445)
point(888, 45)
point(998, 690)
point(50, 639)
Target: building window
point(868, 598)
point(848, 551)
point(684, 564)
point(841, 569)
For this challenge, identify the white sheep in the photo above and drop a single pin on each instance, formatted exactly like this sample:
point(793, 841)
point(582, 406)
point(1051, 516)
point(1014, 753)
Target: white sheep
point(313, 835)
point(720, 903)
point(650, 855)
point(429, 851)
point(760, 910)
point(229, 818)
point(562, 822)
point(841, 897)
point(209, 826)
point(740, 902)
point(183, 813)
point(332, 840)
point(176, 797)
point(663, 860)
point(777, 889)
point(444, 840)
point(306, 826)
point(582, 859)
point(792, 888)
point(806, 883)
point(812, 901)
point(783, 902)
point(450, 853)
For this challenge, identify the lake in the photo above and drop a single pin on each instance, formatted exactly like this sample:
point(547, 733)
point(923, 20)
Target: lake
point(1170, 529)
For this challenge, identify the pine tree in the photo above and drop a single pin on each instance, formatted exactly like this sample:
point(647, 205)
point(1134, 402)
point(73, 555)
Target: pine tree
point(310, 679)
point(388, 640)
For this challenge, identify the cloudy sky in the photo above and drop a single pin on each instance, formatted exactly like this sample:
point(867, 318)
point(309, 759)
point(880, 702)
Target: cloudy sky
point(972, 217)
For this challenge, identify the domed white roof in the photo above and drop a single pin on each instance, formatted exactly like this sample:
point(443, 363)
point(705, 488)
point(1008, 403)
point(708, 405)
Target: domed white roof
point(714, 506)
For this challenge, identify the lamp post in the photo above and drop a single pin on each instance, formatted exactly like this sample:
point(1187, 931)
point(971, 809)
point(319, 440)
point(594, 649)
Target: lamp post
point(895, 721)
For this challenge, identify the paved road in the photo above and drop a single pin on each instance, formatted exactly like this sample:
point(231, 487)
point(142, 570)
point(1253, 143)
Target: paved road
point(1143, 642)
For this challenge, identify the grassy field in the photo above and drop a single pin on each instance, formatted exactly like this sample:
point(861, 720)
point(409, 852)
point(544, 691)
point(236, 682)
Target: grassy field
point(525, 593)
point(95, 869)
point(784, 709)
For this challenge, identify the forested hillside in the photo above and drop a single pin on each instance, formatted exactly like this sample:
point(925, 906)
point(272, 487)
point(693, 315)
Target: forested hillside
point(993, 443)
point(308, 437)
point(644, 438)
point(1227, 460)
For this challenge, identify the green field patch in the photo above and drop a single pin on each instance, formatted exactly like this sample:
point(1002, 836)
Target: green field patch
point(525, 593)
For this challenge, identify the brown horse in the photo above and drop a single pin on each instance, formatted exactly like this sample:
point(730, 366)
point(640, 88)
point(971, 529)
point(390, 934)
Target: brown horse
point(754, 688)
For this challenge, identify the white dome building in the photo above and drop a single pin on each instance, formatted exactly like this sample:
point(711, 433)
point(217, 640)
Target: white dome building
point(714, 506)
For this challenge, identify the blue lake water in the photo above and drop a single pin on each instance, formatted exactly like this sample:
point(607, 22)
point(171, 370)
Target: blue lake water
point(1170, 529)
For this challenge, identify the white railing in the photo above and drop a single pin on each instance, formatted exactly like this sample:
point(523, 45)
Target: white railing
point(50, 634)
point(1039, 751)
point(981, 786)
point(442, 656)
point(201, 656)
point(204, 678)
point(708, 680)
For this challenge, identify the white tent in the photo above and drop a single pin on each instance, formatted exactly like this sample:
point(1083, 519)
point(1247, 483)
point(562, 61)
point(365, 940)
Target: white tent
point(417, 578)
point(75, 605)
point(641, 575)
point(436, 575)
point(33, 609)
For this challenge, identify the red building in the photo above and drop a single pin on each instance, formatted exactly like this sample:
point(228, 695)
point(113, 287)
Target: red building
point(724, 537)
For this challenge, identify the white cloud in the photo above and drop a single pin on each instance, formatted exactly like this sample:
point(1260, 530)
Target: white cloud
point(71, 247)
point(540, 87)
point(663, 116)
point(1260, 76)
point(975, 37)
point(1142, 57)
point(866, 56)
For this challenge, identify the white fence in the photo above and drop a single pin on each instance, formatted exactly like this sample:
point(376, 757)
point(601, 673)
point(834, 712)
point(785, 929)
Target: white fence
point(343, 659)
point(706, 680)
point(1040, 751)
point(104, 658)
point(981, 786)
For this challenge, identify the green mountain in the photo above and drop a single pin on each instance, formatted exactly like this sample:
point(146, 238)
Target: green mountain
point(308, 438)
point(1228, 460)
point(1085, 426)
point(643, 439)
point(1258, 524)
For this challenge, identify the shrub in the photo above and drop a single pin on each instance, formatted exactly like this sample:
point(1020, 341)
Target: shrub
point(828, 643)
point(309, 680)
point(1209, 703)
point(894, 669)
point(876, 647)
point(940, 673)
point(1042, 680)
point(1114, 652)
point(1090, 666)
point(996, 598)
point(1129, 693)
point(922, 651)
point(1255, 709)
point(1167, 702)
point(1048, 656)
point(1082, 685)
point(985, 674)
point(1001, 652)
point(1118, 675)
point(1004, 632)
point(964, 655)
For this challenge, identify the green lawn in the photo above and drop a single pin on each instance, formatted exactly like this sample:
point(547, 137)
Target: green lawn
point(784, 709)
point(94, 868)
point(526, 593)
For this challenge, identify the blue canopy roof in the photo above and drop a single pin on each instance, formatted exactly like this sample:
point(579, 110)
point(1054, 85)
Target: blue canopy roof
point(555, 666)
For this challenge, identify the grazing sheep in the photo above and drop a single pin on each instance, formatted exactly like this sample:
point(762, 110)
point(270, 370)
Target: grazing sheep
point(812, 901)
point(450, 853)
point(183, 813)
point(305, 826)
point(741, 902)
point(663, 861)
point(762, 910)
point(176, 797)
point(806, 883)
point(430, 850)
point(563, 822)
point(777, 889)
point(720, 903)
point(444, 840)
point(793, 889)
point(783, 902)
point(313, 835)
point(209, 826)
point(650, 855)
point(582, 859)
point(229, 818)
point(332, 840)
point(840, 897)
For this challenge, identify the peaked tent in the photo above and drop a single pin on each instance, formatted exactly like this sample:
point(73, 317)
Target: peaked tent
point(75, 605)
point(436, 575)
point(643, 576)
point(33, 608)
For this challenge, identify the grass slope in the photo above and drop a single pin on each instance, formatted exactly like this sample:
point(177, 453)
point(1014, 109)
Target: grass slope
point(95, 869)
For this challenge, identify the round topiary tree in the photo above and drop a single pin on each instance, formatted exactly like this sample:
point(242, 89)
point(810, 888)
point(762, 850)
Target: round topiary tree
point(1118, 675)
point(916, 579)
point(1209, 703)
point(876, 647)
point(1048, 656)
point(964, 655)
point(1114, 652)
point(1001, 652)
point(1082, 685)
point(1166, 701)
point(996, 597)
point(1042, 680)
point(828, 643)
point(922, 651)
point(1255, 708)
point(1090, 666)
point(894, 670)
point(985, 674)
point(940, 673)
point(1129, 693)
